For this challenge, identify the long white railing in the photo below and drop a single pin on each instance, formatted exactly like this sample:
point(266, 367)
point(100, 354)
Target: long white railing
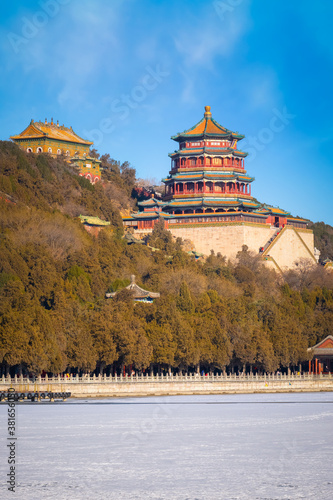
point(161, 378)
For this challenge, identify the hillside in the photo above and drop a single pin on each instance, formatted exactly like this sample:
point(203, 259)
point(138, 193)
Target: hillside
point(323, 236)
point(211, 315)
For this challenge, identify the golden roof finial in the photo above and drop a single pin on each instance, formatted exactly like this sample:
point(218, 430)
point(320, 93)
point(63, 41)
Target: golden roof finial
point(208, 114)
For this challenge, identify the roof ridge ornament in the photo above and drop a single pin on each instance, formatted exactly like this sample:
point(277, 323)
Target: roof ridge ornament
point(207, 114)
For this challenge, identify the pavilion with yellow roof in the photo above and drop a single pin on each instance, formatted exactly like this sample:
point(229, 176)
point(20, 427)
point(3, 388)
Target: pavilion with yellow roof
point(208, 200)
point(55, 139)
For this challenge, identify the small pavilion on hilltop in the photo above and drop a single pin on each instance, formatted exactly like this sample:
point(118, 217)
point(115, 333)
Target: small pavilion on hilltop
point(55, 139)
point(139, 294)
point(93, 224)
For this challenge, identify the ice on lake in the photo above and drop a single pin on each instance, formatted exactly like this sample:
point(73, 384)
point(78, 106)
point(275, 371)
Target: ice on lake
point(255, 446)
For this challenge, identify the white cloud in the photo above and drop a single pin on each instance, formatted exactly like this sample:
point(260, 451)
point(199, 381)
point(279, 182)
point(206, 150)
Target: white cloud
point(207, 36)
point(71, 48)
point(188, 95)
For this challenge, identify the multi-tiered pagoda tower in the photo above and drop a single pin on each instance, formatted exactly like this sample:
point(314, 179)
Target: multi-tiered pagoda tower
point(208, 200)
point(207, 172)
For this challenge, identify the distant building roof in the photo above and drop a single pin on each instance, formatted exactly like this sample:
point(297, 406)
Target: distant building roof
point(325, 347)
point(93, 221)
point(138, 293)
point(51, 131)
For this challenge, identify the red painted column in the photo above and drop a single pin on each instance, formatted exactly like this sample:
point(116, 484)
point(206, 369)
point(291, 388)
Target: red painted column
point(316, 371)
point(309, 366)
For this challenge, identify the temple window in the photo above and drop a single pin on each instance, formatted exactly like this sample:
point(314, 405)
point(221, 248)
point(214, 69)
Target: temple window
point(192, 161)
point(58, 152)
point(209, 187)
point(217, 161)
point(200, 187)
point(67, 153)
point(39, 150)
point(29, 150)
point(49, 150)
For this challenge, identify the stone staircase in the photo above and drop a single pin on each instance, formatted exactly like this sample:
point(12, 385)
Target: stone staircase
point(270, 241)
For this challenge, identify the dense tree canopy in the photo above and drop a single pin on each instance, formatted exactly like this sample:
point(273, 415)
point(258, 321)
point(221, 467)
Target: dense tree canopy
point(212, 314)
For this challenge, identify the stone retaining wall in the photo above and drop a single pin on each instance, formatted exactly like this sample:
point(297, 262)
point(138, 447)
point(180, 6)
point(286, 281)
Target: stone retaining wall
point(163, 386)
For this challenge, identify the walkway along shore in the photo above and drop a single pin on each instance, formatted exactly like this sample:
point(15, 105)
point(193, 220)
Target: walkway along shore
point(167, 385)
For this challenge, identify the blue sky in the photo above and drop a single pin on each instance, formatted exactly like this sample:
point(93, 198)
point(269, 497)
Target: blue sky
point(129, 74)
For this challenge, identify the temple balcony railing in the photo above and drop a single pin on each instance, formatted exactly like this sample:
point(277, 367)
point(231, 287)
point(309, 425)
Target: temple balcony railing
point(210, 168)
point(217, 194)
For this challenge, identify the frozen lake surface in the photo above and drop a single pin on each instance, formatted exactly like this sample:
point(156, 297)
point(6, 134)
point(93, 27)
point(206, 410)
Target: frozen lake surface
point(228, 447)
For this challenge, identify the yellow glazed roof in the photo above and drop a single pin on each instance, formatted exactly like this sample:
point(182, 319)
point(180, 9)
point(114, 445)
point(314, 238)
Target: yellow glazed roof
point(207, 125)
point(51, 131)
